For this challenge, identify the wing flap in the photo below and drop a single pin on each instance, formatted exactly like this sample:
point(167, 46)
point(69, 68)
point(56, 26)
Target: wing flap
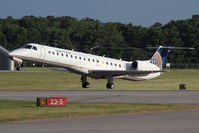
point(121, 72)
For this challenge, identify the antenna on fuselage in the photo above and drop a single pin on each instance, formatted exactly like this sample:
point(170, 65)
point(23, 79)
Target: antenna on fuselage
point(93, 48)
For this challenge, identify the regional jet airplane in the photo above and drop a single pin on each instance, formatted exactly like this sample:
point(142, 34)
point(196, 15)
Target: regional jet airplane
point(88, 65)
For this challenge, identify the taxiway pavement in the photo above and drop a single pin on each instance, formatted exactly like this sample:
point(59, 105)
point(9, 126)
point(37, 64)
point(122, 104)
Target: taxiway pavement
point(176, 121)
point(190, 97)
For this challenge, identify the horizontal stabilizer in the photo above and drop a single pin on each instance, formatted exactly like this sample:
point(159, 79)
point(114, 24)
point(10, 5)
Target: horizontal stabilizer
point(171, 47)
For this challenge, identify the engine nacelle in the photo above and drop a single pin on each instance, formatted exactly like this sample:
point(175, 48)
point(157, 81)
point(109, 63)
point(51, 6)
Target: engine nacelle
point(143, 65)
point(134, 64)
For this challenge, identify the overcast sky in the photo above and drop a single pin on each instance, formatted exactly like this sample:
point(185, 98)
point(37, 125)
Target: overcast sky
point(137, 12)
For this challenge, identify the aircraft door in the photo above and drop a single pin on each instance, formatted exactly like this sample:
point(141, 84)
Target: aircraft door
point(42, 52)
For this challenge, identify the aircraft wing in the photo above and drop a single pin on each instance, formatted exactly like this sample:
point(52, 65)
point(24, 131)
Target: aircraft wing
point(120, 72)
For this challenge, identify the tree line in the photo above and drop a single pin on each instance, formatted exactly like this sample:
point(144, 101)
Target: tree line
point(112, 39)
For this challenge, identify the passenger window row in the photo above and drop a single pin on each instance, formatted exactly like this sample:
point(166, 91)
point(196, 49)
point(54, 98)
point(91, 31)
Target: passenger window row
point(80, 58)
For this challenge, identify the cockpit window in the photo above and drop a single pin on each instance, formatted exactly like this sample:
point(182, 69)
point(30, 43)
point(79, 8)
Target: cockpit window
point(30, 47)
point(35, 48)
point(27, 46)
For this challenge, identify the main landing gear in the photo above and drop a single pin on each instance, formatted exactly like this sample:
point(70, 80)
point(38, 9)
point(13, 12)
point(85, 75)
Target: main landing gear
point(110, 84)
point(85, 84)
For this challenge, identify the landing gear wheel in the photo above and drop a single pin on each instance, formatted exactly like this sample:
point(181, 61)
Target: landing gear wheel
point(85, 85)
point(110, 85)
point(18, 68)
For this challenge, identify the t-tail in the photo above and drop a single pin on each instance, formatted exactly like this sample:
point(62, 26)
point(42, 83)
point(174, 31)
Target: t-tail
point(160, 56)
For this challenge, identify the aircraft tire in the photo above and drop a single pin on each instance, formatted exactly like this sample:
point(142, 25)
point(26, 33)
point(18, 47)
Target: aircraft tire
point(85, 85)
point(18, 68)
point(110, 85)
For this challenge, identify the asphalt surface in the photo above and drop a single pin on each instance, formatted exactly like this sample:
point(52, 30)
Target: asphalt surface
point(176, 121)
point(142, 96)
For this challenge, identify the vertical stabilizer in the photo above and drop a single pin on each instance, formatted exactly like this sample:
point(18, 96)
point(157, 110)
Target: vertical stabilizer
point(160, 56)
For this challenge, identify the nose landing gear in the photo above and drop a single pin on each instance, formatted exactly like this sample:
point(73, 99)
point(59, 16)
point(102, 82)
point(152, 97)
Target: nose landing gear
point(18, 67)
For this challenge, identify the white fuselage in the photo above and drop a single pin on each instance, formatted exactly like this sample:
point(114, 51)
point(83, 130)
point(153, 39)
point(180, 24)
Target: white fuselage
point(81, 63)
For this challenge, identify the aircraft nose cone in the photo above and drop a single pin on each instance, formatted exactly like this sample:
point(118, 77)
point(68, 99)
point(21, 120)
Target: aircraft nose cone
point(13, 53)
point(20, 53)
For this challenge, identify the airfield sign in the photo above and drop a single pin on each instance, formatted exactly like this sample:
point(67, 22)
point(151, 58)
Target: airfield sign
point(56, 101)
point(51, 101)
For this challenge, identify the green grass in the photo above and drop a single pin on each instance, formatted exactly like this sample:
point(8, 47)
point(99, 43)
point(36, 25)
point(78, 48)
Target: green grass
point(25, 110)
point(57, 80)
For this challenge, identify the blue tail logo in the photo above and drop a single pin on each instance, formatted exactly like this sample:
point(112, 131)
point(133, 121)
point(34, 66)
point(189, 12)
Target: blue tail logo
point(160, 56)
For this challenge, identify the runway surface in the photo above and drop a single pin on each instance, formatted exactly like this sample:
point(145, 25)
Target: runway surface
point(178, 121)
point(142, 96)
